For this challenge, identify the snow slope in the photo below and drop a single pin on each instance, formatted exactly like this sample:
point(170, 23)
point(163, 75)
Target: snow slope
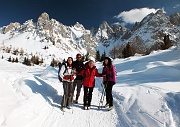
point(146, 95)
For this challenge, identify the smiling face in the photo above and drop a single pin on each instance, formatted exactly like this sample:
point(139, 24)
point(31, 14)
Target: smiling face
point(91, 64)
point(78, 57)
point(106, 61)
point(69, 60)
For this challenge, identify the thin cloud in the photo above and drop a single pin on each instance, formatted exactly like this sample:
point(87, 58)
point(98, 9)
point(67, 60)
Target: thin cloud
point(135, 15)
point(176, 6)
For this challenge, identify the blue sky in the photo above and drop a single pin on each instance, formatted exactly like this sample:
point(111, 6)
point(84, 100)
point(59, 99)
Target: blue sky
point(90, 13)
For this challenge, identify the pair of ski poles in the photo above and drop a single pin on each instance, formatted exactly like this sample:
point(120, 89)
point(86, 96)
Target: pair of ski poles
point(104, 86)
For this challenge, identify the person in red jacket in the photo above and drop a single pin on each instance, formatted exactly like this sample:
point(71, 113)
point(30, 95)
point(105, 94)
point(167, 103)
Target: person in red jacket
point(89, 73)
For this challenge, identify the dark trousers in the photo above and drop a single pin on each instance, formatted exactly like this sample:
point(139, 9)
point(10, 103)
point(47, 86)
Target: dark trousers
point(77, 83)
point(88, 95)
point(108, 89)
point(67, 86)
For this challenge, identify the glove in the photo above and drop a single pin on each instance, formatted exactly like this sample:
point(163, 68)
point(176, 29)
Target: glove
point(103, 75)
point(71, 78)
point(74, 71)
point(66, 77)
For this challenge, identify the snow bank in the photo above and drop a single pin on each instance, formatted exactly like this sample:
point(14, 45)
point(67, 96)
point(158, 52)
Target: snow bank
point(146, 94)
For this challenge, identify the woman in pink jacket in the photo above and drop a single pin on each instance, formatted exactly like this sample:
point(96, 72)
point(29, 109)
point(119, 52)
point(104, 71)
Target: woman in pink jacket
point(109, 80)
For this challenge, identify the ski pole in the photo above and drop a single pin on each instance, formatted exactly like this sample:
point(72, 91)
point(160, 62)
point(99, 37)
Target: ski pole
point(102, 97)
point(72, 105)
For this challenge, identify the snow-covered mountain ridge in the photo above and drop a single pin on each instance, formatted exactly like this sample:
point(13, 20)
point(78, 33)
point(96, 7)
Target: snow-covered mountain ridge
point(33, 37)
point(152, 29)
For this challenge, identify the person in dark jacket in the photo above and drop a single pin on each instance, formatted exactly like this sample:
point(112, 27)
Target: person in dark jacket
point(109, 80)
point(78, 65)
point(68, 76)
point(89, 73)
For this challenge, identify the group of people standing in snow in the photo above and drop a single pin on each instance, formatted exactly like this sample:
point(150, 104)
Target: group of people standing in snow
point(77, 74)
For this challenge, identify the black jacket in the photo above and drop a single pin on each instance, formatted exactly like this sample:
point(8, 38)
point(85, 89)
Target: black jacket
point(79, 66)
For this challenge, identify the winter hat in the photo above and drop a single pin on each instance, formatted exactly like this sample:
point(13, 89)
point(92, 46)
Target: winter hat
point(91, 58)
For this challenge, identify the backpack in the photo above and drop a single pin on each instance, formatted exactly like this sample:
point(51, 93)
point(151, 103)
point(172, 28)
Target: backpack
point(60, 66)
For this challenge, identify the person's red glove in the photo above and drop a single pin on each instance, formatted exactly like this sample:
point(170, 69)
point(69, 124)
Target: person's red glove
point(66, 77)
point(71, 78)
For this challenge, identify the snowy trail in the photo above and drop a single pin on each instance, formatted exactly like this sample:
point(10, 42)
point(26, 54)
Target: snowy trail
point(146, 95)
point(39, 102)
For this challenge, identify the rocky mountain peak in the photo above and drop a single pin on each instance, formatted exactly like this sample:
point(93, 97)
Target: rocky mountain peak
point(43, 18)
point(105, 29)
point(79, 26)
point(175, 19)
point(11, 26)
point(104, 25)
point(145, 33)
point(160, 12)
point(152, 29)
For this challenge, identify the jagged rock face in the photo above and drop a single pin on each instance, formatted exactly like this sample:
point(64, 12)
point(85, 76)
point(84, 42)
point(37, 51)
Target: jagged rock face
point(27, 26)
point(151, 30)
point(118, 30)
point(145, 33)
point(104, 32)
point(79, 26)
point(175, 19)
point(43, 18)
point(11, 27)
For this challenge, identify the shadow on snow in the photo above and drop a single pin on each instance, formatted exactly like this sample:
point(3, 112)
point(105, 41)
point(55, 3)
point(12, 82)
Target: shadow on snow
point(48, 92)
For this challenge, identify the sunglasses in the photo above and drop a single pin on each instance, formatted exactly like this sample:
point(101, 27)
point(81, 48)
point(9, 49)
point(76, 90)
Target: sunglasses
point(78, 57)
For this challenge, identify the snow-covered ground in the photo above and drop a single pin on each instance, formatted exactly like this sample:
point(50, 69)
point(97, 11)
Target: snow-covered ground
point(147, 94)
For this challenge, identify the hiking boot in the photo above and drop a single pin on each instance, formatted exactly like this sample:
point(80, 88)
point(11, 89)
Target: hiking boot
point(88, 107)
point(106, 105)
point(62, 109)
point(85, 107)
point(76, 101)
point(110, 108)
point(68, 107)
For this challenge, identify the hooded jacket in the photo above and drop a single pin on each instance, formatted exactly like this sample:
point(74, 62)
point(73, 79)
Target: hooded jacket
point(110, 74)
point(89, 76)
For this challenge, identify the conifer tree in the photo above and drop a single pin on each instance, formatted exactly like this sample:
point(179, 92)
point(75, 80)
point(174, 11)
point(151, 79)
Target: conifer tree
point(9, 59)
point(167, 42)
point(98, 55)
point(83, 58)
point(113, 52)
point(128, 51)
point(103, 56)
point(52, 62)
point(37, 60)
point(13, 60)
point(16, 60)
point(86, 56)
